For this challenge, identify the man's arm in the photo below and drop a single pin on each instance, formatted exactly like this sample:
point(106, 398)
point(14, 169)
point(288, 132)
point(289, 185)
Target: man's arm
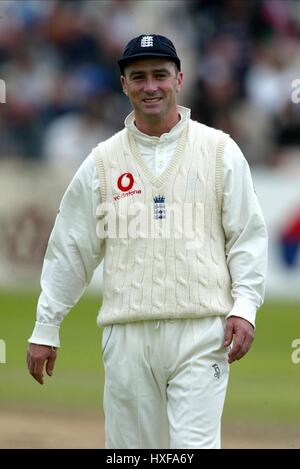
point(246, 250)
point(73, 253)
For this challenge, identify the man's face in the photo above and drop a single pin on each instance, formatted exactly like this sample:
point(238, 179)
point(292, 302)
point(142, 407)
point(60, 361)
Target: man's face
point(151, 86)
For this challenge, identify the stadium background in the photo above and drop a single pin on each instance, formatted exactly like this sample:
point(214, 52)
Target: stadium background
point(60, 95)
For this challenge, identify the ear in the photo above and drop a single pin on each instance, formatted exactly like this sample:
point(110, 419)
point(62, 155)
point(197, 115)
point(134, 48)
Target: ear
point(124, 85)
point(179, 81)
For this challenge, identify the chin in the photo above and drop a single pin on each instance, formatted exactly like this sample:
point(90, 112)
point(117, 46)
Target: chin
point(152, 112)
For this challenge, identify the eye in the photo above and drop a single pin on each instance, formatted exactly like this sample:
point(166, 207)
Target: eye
point(160, 76)
point(136, 77)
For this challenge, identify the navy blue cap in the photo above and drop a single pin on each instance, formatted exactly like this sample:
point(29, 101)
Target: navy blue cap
point(148, 46)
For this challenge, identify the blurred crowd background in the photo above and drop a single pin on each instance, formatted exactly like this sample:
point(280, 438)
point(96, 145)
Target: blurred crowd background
point(59, 96)
point(58, 61)
point(63, 96)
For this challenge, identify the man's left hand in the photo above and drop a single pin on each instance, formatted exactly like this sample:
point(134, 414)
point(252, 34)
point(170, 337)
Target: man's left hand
point(242, 333)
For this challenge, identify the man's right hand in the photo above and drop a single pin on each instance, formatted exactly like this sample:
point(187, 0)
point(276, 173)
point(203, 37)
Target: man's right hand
point(37, 356)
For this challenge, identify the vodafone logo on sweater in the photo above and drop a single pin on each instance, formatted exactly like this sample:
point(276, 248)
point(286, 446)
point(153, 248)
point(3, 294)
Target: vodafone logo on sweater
point(125, 183)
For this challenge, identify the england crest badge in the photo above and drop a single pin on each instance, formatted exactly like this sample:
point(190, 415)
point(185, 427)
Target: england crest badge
point(159, 207)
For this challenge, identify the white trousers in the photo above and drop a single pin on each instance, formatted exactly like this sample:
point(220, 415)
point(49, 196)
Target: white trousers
point(165, 383)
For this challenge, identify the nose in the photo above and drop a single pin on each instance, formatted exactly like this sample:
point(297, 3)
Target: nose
point(150, 85)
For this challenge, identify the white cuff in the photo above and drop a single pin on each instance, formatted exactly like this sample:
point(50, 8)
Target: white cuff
point(245, 309)
point(45, 334)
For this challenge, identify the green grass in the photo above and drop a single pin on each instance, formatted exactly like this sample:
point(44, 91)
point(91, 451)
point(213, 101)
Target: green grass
point(77, 383)
point(264, 386)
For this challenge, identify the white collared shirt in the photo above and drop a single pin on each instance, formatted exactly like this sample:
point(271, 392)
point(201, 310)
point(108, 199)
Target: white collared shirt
point(74, 250)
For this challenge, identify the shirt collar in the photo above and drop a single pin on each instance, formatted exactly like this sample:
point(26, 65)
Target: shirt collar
point(168, 137)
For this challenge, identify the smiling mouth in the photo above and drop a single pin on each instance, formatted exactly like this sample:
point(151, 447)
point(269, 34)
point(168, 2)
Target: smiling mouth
point(152, 100)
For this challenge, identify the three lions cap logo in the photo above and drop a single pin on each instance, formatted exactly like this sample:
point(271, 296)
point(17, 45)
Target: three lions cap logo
point(147, 41)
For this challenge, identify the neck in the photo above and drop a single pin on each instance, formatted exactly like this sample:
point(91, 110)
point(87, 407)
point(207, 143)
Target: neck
point(156, 127)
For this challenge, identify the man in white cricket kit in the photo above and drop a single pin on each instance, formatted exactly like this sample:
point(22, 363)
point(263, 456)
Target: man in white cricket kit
point(169, 204)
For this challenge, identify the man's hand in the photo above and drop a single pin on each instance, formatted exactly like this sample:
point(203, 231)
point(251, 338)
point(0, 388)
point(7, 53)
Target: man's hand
point(37, 356)
point(243, 333)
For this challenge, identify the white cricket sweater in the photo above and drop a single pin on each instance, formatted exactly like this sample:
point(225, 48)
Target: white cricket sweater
point(169, 262)
point(74, 250)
